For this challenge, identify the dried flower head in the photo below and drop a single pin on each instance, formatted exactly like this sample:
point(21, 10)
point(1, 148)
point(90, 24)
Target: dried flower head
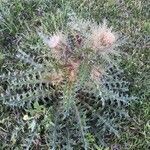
point(58, 45)
point(101, 37)
point(56, 41)
point(108, 38)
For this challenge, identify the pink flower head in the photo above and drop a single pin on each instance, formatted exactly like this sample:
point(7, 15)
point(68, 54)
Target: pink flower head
point(55, 41)
point(108, 38)
point(101, 36)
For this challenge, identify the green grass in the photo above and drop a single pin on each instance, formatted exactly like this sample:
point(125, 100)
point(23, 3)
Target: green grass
point(19, 21)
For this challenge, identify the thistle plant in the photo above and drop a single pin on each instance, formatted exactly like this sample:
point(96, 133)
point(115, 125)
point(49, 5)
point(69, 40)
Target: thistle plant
point(73, 95)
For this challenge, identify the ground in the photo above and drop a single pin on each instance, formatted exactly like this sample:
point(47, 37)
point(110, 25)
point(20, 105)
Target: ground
point(128, 17)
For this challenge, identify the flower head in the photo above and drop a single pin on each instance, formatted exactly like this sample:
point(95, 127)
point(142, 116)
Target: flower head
point(108, 38)
point(57, 42)
point(101, 37)
point(54, 41)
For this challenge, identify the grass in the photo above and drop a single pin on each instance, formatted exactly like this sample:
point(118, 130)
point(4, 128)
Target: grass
point(20, 19)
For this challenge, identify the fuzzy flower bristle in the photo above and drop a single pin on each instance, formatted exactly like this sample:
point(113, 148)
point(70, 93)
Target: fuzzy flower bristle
point(57, 43)
point(56, 40)
point(101, 37)
point(108, 38)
